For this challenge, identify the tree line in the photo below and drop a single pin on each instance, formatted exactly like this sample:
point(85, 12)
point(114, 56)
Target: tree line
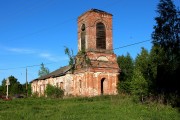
point(155, 73)
point(16, 89)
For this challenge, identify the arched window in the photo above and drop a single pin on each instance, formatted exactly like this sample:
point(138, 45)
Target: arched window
point(80, 87)
point(57, 85)
point(80, 84)
point(100, 36)
point(83, 40)
point(61, 85)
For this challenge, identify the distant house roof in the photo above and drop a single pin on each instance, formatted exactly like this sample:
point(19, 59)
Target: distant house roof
point(59, 72)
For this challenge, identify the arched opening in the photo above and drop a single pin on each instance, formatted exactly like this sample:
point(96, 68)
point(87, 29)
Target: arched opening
point(83, 37)
point(40, 90)
point(100, 36)
point(102, 86)
point(57, 85)
point(61, 85)
point(80, 86)
point(34, 89)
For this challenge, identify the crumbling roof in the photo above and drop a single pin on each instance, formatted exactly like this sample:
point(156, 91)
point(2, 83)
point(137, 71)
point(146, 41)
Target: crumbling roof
point(99, 11)
point(95, 10)
point(59, 72)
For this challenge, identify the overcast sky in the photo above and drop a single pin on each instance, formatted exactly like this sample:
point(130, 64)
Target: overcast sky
point(35, 31)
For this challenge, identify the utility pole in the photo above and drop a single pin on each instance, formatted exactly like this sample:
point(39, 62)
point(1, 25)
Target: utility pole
point(26, 84)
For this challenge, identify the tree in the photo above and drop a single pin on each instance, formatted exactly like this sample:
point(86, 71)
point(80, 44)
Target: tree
point(166, 51)
point(126, 64)
point(155, 59)
point(142, 63)
point(71, 58)
point(3, 87)
point(166, 32)
point(166, 39)
point(28, 90)
point(43, 70)
point(1, 90)
point(70, 55)
point(14, 88)
point(139, 85)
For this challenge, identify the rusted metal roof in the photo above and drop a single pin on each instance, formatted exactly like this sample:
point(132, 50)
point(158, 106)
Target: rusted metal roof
point(59, 72)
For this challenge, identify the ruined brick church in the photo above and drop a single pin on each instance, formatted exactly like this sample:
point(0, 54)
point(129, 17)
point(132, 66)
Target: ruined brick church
point(95, 71)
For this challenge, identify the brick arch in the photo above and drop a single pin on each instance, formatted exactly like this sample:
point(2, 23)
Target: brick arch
point(103, 79)
point(100, 20)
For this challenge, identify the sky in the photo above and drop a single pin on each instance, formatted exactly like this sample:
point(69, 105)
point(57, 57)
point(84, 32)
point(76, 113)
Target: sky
point(36, 31)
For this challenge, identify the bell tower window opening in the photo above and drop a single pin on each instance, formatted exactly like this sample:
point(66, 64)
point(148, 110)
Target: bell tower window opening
point(100, 36)
point(83, 37)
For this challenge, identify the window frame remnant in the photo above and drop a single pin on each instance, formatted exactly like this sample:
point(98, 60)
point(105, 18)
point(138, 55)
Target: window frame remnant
point(100, 36)
point(83, 37)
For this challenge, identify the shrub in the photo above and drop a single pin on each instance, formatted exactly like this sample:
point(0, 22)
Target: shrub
point(54, 92)
point(34, 95)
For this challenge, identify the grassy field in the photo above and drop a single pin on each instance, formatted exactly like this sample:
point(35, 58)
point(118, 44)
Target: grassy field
point(97, 108)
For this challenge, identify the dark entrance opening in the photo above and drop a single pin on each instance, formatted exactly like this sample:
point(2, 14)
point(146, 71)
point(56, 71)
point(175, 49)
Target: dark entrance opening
point(102, 86)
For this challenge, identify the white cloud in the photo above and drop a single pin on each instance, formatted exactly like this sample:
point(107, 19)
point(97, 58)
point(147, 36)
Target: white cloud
point(21, 50)
point(51, 57)
point(45, 55)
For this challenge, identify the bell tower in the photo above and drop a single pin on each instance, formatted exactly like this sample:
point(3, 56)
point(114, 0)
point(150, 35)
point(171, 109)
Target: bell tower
point(96, 64)
point(95, 39)
point(95, 31)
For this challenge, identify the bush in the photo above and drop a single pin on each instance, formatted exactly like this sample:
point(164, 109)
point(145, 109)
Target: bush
point(34, 95)
point(54, 92)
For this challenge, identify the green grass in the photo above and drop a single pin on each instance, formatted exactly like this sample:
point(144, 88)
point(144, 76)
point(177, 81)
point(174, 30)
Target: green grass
point(96, 108)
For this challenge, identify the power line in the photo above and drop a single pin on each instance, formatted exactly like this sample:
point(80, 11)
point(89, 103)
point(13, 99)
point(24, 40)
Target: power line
point(131, 44)
point(56, 62)
point(27, 66)
point(56, 26)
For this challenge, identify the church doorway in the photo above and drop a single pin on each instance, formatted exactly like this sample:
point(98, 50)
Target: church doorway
point(102, 86)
